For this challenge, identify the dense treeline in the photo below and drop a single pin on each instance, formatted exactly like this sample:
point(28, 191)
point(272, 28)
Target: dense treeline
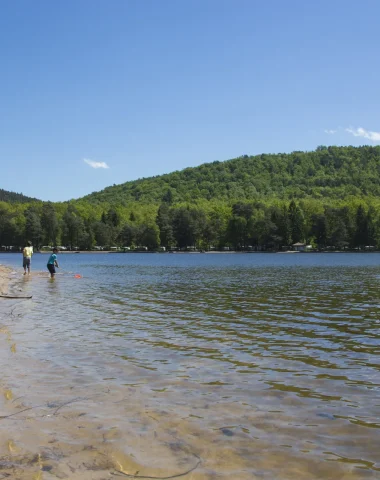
point(328, 198)
point(241, 225)
point(13, 197)
point(328, 172)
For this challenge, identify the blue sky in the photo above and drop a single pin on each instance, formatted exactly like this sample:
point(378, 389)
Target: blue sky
point(146, 87)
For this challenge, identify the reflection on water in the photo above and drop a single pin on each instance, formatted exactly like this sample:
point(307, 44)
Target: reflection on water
point(251, 367)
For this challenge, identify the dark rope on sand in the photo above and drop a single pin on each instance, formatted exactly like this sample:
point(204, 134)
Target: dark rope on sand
point(78, 399)
point(3, 417)
point(17, 398)
point(129, 475)
point(15, 297)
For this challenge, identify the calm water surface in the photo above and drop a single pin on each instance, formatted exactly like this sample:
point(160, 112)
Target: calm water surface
point(241, 366)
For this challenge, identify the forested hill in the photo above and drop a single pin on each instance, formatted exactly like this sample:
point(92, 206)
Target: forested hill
point(327, 172)
point(329, 199)
point(12, 197)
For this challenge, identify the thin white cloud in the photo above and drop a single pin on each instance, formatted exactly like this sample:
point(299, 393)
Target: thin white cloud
point(330, 132)
point(361, 132)
point(95, 164)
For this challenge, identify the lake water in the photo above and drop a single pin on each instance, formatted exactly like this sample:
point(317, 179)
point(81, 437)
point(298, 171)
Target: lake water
point(193, 366)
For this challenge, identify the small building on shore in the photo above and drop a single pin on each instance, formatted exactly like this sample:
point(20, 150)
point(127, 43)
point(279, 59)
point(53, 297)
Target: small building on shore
point(299, 247)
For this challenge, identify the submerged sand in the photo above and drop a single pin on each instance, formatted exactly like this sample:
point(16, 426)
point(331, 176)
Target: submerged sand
point(56, 422)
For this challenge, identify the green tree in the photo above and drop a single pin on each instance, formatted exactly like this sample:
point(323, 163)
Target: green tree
point(149, 236)
point(296, 221)
point(33, 227)
point(201, 228)
point(128, 235)
point(280, 218)
point(237, 231)
point(86, 239)
point(265, 233)
point(50, 224)
point(362, 228)
point(164, 223)
point(168, 197)
point(319, 229)
point(338, 236)
point(373, 226)
point(184, 228)
point(244, 210)
point(217, 229)
point(103, 234)
point(7, 226)
point(111, 218)
point(73, 230)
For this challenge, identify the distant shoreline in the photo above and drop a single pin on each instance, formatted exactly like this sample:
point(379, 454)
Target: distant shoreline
point(97, 252)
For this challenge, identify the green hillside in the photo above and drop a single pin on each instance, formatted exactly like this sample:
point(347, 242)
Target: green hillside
point(333, 172)
point(329, 198)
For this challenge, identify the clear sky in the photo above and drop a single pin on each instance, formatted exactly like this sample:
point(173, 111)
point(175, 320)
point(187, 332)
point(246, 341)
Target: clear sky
point(146, 87)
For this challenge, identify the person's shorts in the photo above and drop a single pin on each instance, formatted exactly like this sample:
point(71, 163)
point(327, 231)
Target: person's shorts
point(51, 267)
point(26, 262)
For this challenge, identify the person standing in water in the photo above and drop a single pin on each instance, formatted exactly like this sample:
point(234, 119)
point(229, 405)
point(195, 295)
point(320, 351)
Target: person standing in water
point(52, 262)
point(27, 253)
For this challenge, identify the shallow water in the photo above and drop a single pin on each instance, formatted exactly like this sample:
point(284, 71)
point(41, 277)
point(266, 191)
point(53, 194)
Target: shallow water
point(242, 366)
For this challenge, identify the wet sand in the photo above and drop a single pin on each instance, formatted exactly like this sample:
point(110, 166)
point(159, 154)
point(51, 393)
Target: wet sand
point(4, 279)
